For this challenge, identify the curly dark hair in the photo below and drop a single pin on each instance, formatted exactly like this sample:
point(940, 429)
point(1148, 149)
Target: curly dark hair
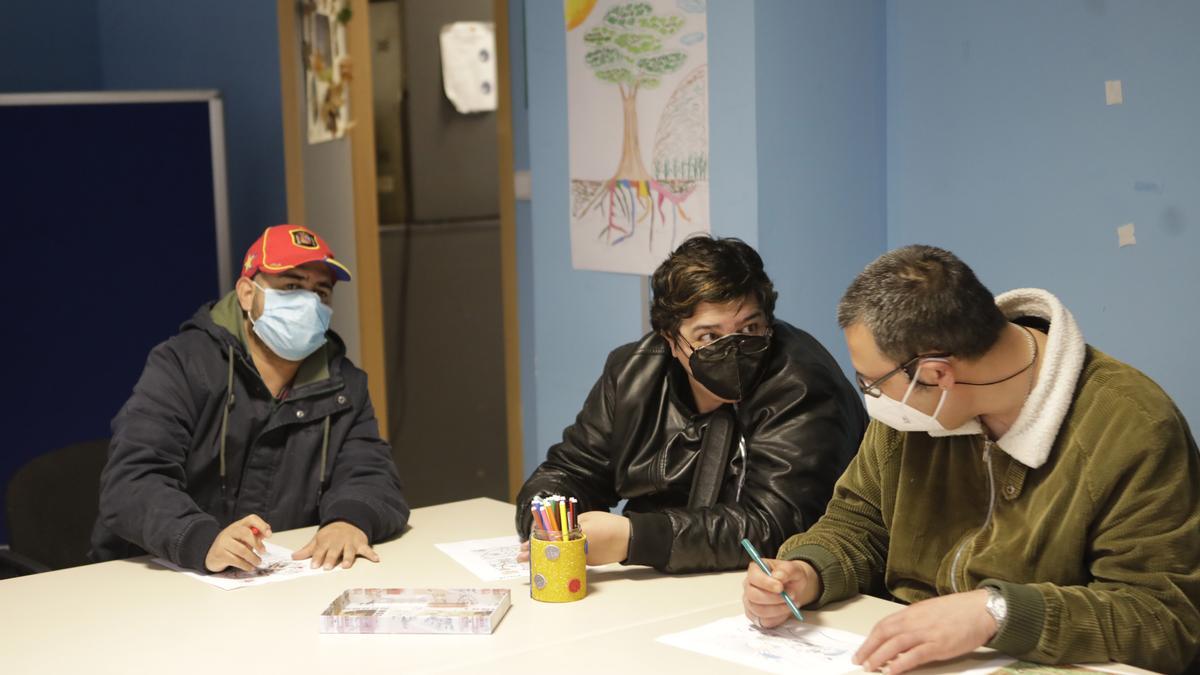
point(704, 269)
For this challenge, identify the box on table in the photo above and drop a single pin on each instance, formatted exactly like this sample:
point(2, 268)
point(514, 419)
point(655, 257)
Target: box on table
point(416, 610)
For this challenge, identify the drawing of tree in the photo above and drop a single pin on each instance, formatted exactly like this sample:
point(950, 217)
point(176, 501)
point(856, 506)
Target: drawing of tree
point(628, 50)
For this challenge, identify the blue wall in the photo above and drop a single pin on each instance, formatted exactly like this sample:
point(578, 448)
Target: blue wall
point(231, 46)
point(820, 105)
point(973, 125)
point(578, 317)
point(51, 45)
point(228, 45)
point(1001, 148)
point(796, 105)
point(733, 138)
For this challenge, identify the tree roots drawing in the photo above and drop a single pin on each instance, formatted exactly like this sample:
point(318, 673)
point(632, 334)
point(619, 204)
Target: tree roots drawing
point(635, 49)
point(627, 204)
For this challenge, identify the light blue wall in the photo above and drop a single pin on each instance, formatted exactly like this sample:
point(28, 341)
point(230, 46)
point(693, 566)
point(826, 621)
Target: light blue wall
point(230, 45)
point(732, 125)
point(49, 45)
point(1001, 149)
point(797, 173)
point(820, 106)
point(578, 317)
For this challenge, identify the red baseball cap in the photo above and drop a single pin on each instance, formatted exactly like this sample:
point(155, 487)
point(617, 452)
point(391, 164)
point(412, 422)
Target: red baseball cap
point(283, 247)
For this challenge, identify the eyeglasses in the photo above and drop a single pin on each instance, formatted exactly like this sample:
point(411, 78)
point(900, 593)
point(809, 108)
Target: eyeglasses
point(745, 343)
point(908, 368)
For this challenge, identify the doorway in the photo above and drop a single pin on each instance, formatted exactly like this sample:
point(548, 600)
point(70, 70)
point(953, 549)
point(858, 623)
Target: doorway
point(440, 254)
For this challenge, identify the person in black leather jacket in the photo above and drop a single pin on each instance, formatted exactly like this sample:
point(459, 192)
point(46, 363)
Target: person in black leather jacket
point(721, 423)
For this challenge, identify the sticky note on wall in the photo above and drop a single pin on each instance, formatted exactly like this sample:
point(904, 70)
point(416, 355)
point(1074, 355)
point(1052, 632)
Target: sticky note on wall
point(1125, 236)
point(523, 185)
point(1112, 92)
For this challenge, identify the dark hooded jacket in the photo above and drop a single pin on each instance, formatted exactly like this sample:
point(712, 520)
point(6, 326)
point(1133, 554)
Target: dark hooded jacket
point(203, 443)
point(640, 438)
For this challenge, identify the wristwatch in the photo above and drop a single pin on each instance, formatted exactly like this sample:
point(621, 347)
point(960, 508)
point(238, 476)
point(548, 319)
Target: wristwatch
point(997, 606)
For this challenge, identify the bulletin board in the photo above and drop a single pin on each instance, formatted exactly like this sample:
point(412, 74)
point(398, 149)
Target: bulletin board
point(116, 225)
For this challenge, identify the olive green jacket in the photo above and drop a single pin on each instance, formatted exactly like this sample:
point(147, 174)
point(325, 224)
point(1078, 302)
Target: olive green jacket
point(1094, 542)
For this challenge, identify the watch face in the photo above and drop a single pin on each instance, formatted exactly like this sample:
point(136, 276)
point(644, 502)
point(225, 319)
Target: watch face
point(996, 605)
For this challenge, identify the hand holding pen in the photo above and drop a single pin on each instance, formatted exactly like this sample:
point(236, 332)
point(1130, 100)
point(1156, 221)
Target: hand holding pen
point(239, 545)
point(774, 590)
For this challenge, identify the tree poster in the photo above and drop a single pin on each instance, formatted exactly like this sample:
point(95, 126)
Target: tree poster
point(637, 109)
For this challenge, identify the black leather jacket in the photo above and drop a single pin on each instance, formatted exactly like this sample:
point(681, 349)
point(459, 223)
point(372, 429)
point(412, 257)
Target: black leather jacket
point(639, 438)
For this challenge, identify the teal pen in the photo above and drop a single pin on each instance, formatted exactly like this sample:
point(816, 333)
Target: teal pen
point(763, 566)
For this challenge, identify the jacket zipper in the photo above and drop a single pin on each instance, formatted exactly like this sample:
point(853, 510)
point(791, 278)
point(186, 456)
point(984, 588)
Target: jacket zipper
point(958, 554)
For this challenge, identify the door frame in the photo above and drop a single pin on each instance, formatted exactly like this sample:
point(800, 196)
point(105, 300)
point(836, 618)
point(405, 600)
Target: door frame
point(508, 254)
point(367, 274)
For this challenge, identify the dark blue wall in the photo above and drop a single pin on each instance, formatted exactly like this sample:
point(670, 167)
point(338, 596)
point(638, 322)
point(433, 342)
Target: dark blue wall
point(109, 216)
point(81, 45)
point(49, 45)
point(228, 45)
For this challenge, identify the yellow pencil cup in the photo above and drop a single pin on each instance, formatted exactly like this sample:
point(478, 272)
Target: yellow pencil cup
point(557, 568)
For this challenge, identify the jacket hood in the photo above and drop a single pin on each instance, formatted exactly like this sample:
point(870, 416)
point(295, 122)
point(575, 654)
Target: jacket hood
point(1032, 435)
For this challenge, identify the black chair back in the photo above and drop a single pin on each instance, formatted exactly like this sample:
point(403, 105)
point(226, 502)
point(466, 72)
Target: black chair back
point(52, 504)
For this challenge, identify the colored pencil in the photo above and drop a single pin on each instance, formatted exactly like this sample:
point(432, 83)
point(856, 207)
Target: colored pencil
point(537, 516)
point(762, 565)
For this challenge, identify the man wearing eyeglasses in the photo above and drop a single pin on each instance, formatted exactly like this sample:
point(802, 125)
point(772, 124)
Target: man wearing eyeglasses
point(1018, 488)
point(723, 423)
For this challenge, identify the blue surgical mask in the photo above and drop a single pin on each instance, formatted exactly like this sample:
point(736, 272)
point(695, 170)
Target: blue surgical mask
point(293, 323)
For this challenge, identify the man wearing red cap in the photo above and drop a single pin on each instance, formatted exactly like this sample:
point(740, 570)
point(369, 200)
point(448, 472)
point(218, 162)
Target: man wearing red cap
point(252, 419)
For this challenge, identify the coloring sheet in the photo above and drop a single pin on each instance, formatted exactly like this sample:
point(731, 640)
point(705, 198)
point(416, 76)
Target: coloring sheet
point(791, 648)
point(277, 565)
point(798, 648)
point(489, 559)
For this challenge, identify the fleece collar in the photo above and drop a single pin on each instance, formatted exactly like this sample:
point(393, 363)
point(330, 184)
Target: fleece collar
point(1032, 435)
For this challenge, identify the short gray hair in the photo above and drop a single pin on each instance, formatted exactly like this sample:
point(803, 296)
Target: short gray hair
point(920, 300)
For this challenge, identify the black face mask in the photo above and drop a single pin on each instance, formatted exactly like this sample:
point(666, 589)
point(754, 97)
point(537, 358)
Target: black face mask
point(730, 367)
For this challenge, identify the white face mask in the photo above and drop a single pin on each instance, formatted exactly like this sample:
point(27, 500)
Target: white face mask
point(903, 417)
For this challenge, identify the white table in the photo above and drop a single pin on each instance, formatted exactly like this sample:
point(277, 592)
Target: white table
point(134, 617)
